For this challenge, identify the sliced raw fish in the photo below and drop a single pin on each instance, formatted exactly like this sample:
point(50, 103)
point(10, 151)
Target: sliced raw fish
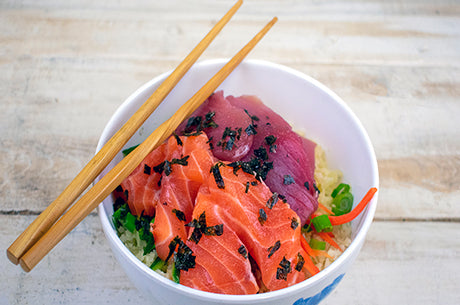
point(264, 225)
point(224, 125)
point(179, 188)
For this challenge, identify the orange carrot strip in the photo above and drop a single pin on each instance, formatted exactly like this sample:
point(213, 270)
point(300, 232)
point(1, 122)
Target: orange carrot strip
point(322, 253)
point(310, 266)
point(306, 246)
point(331, 234)
point(322, 207)
point(339, 220)
point(329, 240)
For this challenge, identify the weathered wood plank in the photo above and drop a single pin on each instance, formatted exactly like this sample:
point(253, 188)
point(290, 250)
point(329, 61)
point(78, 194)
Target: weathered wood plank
point(401, 262)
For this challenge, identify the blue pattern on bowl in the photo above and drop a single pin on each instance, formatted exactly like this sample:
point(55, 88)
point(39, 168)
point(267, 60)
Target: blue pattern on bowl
point(320, 296)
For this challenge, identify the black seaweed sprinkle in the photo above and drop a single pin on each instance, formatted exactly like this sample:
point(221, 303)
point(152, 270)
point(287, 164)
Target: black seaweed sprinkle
point(184, 258)
point(281, 273)
point(273, 248)
point(272, 200)
point(200, 228)
point(250, 130)
point(253, 183)
point(288, 180)
point(216, 230)
point(147, 169)
point(119, 189)
point(300, 262)
point(211, 146)
point(217, 176)
point(178, 140)
point(261, 153)
point(195, 125)
point(179, 214)
point(270, 141)
point(243, 251)
point(316, 188)
point(247, 187)
point(307, 185)
point(294, 223)
point(165, 166)
point(262, 216)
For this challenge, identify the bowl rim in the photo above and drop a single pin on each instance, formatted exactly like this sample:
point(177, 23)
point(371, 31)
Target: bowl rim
point(272, 295)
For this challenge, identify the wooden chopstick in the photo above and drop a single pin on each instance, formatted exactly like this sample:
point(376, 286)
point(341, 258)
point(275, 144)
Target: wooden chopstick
point(115, 176)
point(87, 175)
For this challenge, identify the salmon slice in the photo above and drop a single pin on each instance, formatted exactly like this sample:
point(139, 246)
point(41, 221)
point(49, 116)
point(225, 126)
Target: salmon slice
point(142, 185)
point(254, 218)
point(190, 161)
point(219, 267)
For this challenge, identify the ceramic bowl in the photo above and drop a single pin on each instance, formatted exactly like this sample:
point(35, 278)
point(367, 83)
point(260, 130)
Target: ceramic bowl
point(309, 106)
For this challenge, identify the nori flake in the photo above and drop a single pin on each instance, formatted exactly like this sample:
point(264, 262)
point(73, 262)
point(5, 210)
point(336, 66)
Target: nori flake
point(217, 176)
point(179, 214)
point(243, 251)
point(273, 248)
point(272, 200)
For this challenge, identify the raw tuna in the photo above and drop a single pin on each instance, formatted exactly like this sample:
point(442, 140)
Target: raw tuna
point(224, 125)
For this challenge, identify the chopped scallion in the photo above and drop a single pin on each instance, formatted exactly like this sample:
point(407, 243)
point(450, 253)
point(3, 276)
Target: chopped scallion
point(317, 244)
point(128, 150)
point(322, 223)
point(130, 222)
point(342, 204)
point(157, 264)
point(175, 274)
point(341, 188)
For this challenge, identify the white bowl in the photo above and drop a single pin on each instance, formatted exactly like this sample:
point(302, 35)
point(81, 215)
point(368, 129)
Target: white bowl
point(306, 104)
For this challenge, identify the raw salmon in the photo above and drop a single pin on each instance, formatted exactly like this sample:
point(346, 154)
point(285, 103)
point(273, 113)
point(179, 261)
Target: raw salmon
point(189, 163)
point(141, 188)
point(255, 224)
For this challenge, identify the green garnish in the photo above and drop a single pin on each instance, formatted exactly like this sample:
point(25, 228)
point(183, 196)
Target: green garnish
point(322, 223)
point(130, 222)
point(157, 264)
point(126, 151)
point(343, 200)
point(341, 188)
point(175, 274)
point(317, 244)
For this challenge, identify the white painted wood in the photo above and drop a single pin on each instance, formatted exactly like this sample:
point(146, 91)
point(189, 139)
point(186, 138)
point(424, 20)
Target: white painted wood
point(65, 66)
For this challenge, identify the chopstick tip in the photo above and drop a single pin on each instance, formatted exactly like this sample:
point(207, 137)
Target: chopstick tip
point(12, 257)
point(24, 266)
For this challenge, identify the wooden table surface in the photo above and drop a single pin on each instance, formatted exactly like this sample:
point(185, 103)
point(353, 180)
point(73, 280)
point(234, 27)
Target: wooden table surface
point(65, 66)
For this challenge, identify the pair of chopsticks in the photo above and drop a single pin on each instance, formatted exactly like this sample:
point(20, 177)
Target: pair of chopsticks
point(47, 231)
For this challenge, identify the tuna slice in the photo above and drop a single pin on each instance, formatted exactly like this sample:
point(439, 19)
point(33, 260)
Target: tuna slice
point(224, 125)
point(255, 224)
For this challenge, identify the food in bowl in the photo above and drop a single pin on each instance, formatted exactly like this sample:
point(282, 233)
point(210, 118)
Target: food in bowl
point(229, 204)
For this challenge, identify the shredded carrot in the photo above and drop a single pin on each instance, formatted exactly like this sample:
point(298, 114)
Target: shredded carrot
point(310, 266)
point(339, 220)
point(322, 253)
point(331, 234)
point(329, 240)
point(322, 207)
point(308, 262)
point(306, 246)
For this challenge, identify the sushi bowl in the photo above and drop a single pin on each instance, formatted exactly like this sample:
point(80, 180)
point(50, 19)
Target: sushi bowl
point(311, 108)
